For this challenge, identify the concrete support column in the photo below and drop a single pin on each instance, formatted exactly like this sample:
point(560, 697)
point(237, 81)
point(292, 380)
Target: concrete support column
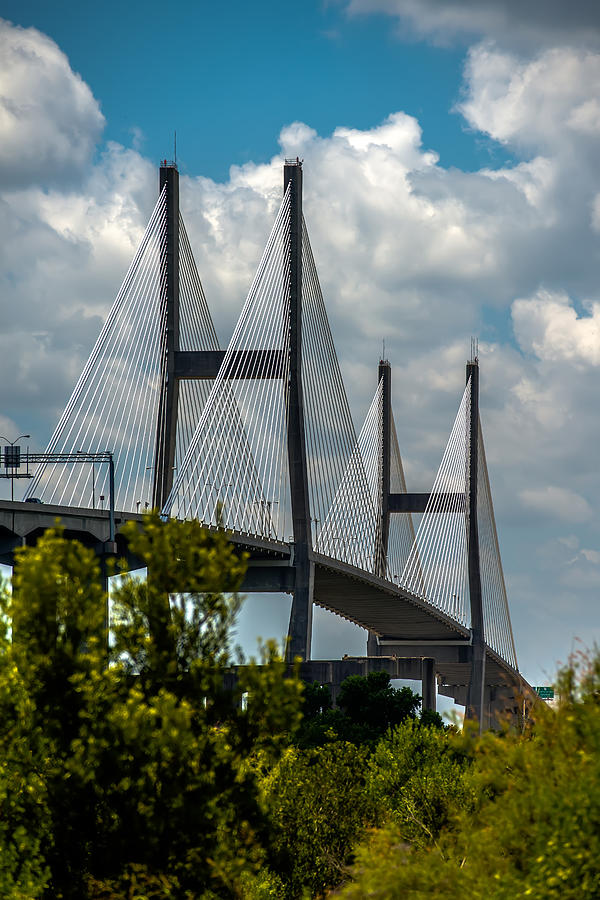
point(166, 426)
point(384, 474)
point(428, 683)
point(475, 691)
point(372, 644)
point(300, 627)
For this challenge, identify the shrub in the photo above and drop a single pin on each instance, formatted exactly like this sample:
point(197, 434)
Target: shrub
point(127, 771)
point(533, 828)
point(319, 806)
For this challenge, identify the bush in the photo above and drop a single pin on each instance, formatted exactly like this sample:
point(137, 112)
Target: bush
point(532, 829)
point(125, 773)
point(367, 706)
point(419, 778)
point(319, 806)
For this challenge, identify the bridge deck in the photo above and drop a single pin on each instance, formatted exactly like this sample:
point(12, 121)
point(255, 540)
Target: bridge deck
point(407, 623)
point(379, 605)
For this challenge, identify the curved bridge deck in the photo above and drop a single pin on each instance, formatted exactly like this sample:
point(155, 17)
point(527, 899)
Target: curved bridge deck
point(407, 626)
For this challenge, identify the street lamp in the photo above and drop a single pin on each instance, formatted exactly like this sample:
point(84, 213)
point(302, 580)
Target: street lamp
point(12, 465)
point(219, 504)
point(265, 516)
point(218, 487)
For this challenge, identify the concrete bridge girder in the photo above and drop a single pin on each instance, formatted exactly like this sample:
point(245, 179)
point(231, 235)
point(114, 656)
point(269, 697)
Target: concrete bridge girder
point(23, 519)
point(22, 524)
point(368, 601)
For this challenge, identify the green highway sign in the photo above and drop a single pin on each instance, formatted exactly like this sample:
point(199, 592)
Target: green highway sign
point(545, 693)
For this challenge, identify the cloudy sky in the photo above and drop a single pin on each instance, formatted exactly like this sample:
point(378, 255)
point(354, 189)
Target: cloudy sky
point(451, 189)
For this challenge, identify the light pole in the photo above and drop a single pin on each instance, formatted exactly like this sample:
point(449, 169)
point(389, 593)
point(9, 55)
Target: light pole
point(265, 516)
point(13, 467)
point(315, 523)
point(219, 504)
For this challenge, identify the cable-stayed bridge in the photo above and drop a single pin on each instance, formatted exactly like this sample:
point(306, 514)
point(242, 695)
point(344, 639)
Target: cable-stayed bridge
point(258, 437)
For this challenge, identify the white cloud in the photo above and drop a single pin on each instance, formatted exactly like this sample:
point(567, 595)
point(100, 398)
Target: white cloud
point(405, 249)
point(391, 227)
point(49, 119)
point(586, 117)
point(592, 556)
point(520, 23)
point(548, 325)
point(557, 502)
point(63, 255)
point(542, 102)
point(571, 541)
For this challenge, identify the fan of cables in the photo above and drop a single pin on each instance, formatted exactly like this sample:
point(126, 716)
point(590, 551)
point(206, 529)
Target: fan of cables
point(496, 617)
point(436, 569)
point(115, 403)
point(349, 532)
point(234, 472)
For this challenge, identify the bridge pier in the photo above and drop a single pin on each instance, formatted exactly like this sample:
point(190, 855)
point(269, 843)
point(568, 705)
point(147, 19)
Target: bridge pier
point(428, 683)
point(166, 428)
point(475, 693)
point(384, 377)
point(300, 627)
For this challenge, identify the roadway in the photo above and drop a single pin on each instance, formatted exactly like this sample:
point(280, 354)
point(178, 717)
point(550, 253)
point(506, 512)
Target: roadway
point(406, 626)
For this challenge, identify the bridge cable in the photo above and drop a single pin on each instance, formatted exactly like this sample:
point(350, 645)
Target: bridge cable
point(239, 444)
point(436, 569)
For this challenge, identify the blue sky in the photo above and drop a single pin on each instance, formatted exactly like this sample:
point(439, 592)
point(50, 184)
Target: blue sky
point(228, 76)
point(452, 187)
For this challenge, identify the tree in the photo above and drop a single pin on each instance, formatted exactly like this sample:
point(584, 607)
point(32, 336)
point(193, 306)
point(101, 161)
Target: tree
point(25, 822)
point(141, 753)
point(532, 827)
point(373, 702)
point(56, 611)
point(419, 780)
point(367, 706)
point(319, 807)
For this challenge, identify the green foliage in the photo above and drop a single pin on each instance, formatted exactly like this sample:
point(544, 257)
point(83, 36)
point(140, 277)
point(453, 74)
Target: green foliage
point(419, 778)
point(151, 770)
point(367, 706)
point(372, 701)
point(56, 610)
point(127, 771)
point(316, 699)
point(319, 806)
point(172, 630)
point(532, 828)
point(431, 718)
point(25, 824)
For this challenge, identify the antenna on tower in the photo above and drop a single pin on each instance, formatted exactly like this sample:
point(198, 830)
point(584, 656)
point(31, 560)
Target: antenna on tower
point(175, 146)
